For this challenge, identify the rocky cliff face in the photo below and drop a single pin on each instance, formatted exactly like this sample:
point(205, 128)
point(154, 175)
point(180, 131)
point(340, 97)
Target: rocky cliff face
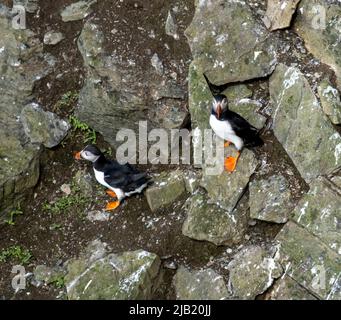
point(82, 70)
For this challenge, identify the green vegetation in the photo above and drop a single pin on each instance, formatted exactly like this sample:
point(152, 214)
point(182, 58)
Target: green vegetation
point(65, 204)
point(23, 256)
point(59, 282)
point(67, 100)
point(89, 134)
point(13, 214)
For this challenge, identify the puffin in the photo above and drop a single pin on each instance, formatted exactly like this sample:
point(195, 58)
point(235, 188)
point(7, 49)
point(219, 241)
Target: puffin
point(230, 126)
point(122, 181)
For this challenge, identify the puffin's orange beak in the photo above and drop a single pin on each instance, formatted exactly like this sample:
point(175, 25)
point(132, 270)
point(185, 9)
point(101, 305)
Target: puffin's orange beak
point(218, 111)
point(77, 155)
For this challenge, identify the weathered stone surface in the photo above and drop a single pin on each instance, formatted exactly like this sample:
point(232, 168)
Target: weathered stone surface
point(199, 285)
point(99, 275)
point(43, 127)
point(270, 199)
point(220, 50)
point(279, 13)
point(111, 98)
point(211, 223)
point(52, 38)
point(98, 215)
point(47, 275)
point(309, 261)
point(192, 181)
point(330, 101)
point(252, 272)
point(288, 289)
point(77, 11)
point(300, 125)
point(319, 211)
point(318, 23)
point(30, 6)
point(165, 190)
point(171, 26)
point(84, 182)
point(225, 189)
point(21, 64)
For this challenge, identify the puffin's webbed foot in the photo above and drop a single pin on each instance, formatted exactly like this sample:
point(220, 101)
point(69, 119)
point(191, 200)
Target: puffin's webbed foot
point(111, 194)
point(231, 163)
point(112, 205)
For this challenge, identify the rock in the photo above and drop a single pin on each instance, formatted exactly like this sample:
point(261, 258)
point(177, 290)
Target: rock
point(300, 125)
point(288, 289)
point(90, 45)
point(53, 38)
point(218, 48)
point(237, 92)
point(249, 109)
point(77, 11)
point(30, 6)
point(279, 13)
point(199, 285)
point(192, 181)
point(66, 188)
point(252, 272)
point(318, 23)
point(309, 261)
point(208, 222)
point(330, 101)
point(98, 215)
point(112, 99)
point(100, 276)
point(48, 275)
point(171, 115)
point(43, 127)
point(157, 64)
point(319, 212)
point(166, 189)
point(84, 182)
point(21, 64)
point(200, 98)
point(270, 199)
point(168, 90)
point(226, 189)
point(171, 26)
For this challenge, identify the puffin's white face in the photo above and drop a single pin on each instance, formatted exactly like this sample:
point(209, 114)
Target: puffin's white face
point(219, 105)
point(87, 155)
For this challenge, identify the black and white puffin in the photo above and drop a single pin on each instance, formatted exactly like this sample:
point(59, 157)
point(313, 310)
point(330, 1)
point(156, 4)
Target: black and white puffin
point(231, 127)
point(122, 180)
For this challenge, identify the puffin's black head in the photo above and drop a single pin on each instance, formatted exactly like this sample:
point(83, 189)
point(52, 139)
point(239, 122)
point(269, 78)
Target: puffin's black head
point(219, 104)
point(90, 153)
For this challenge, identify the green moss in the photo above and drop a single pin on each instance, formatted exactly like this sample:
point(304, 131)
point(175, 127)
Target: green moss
point(89, 133)
point(17, 253)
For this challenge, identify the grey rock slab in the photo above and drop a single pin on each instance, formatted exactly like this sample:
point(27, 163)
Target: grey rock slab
point(310, 262)
point(279, 13)
point(270, 199)
point(199, 285)
point(43, 127)
point(319, 211)
point(301, 126)
point(228, 43)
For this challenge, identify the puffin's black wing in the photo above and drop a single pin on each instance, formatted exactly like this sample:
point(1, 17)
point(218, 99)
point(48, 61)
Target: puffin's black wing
point(242, 129)
point(124, 177)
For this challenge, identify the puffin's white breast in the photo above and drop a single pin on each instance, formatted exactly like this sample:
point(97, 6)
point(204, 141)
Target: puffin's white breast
point(224, 131)
point(100, 178)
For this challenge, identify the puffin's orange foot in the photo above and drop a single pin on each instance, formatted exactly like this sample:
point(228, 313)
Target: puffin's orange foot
point(111, 193)
point(231, 163)
point(226, 144)
point(112, 205)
